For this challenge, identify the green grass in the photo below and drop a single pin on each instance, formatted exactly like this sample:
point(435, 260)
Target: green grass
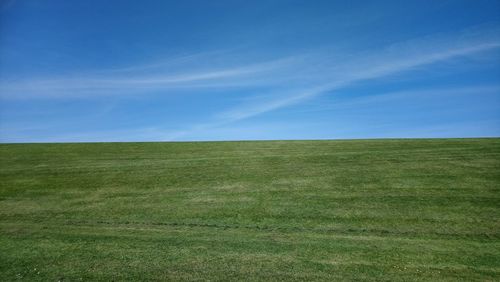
point(278, 210)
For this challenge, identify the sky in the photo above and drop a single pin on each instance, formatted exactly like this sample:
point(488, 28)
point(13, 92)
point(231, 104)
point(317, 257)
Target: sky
point(106, 71)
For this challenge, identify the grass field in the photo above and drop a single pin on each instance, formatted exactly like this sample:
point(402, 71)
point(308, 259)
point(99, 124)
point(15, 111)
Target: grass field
point(276, 210)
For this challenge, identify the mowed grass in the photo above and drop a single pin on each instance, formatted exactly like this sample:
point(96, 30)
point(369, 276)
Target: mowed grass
point(271, 210)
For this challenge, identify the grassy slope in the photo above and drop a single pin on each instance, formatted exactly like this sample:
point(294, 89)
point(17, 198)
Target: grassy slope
point(371, 209)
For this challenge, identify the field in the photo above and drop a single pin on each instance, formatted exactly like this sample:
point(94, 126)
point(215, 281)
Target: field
point(423, 209)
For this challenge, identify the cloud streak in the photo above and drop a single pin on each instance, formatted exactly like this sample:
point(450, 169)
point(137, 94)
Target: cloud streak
point(296, 76)
point(395, 66)
point(110, 83)
point(278, 82)
point(374, 66)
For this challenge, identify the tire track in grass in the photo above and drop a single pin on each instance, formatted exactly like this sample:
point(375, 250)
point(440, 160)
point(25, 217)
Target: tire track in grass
point(273, 228)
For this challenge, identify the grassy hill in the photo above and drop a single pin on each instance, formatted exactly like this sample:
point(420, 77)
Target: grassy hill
point(270, 210)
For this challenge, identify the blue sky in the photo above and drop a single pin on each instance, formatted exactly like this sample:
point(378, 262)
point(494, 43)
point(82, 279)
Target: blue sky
point(76, 71)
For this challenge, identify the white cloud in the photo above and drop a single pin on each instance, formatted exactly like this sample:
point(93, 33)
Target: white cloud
point(393, 66)
point(395, 59)
point(290, 80)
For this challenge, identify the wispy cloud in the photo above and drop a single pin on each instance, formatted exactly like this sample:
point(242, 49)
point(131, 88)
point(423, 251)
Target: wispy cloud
point(276, 83)
point(146, 78)
point(297, 76)
point(369, 70)
point(346, 105)
point(388, 98)
point(396, 59)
